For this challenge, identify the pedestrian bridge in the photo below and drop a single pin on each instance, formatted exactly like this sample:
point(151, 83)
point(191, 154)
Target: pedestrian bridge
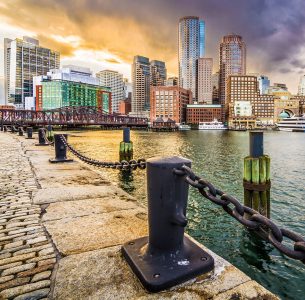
point(69, 116)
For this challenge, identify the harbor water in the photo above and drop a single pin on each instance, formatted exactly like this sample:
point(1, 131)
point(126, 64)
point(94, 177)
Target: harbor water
point(218, 157)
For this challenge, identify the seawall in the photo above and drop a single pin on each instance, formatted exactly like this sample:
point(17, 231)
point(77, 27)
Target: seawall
point(62, 227)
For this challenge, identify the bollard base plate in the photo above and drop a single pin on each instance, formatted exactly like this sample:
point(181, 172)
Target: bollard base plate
point(42, 144)
point(160, 272)
point(60, 160)
point(27, 138)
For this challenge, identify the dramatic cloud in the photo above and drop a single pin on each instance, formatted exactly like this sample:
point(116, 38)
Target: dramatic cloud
point(274, 30)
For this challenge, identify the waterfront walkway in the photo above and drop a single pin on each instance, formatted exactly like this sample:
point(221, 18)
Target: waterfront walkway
point(62, 227)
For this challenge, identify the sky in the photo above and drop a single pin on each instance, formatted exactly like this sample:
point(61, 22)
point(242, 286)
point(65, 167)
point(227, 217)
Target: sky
point(104, 34)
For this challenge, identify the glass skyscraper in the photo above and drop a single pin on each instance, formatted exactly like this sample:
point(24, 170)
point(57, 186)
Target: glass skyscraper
point(191, 46)
point(24, 59)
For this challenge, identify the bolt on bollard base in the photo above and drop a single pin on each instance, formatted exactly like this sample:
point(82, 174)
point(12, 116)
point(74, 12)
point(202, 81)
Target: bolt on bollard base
point(60, 150)
point(166, 257)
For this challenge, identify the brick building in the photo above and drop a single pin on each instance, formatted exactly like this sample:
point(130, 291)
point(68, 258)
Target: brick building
point(196, 113)
point(169, 102)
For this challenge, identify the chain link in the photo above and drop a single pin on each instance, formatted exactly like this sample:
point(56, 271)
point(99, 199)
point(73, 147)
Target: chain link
point(247, 216)
point(122, 165)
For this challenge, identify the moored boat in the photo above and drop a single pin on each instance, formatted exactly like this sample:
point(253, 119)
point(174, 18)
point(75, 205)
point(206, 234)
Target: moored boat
point(293, 124)
point(215, 125)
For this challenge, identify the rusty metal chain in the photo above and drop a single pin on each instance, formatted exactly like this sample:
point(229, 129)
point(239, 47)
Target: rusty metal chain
point(247, 216)
point(122, 165)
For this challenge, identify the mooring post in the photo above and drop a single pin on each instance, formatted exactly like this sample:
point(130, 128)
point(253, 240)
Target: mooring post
point(50, 133)
point(126, 146)
point(42, 137)
point(60, 149)
point(20, 131)
point(29, 132)
point(2, 126)
point(257, 175)
point(5, 128)
point(166, 257)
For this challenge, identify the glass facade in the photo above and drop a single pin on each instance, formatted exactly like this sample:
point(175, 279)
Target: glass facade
point(24, 60)
point(60, 93)
point(191, 46)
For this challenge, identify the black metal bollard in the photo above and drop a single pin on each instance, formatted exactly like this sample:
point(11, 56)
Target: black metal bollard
point(5, 128)
point(60, 149)
point(20, 131)
point(42, 137)
point(166, 257)
point(29, 132)
point(2, 126)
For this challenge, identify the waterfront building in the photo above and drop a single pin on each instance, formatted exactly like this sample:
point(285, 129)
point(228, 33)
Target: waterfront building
point(243, 108)
point(196, 113)
point(70, 86)
point(245, 88)
point(263, 84)
point(157, 73)
point(191, 46)
point(288, 103)
point(169, 102)
point(171, 81)
point(215, 88)
point(301, 87)
point(141, 85)
point(204, 80)
point(232, 61)
point(113, 80)
point(24, 59)
point(125, 107)
point(127, 88)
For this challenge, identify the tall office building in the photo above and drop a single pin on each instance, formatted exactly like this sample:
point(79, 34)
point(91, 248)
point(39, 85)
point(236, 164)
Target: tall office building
point(171, 81)
point(301, 87)
point(157, 73)
point(263, 84)
point(141, 84)
point(191, 46)
point(24, 59)
point(232, 61)
point(215, 87)
point(144, 75)
point(204, 80)
point(113, 80)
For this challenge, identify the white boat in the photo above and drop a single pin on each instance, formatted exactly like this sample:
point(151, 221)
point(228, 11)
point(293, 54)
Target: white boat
point(215, 125)
point(295, 124)
point(184, 127)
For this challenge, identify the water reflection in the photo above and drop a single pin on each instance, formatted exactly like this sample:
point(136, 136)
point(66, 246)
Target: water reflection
point(218, 156)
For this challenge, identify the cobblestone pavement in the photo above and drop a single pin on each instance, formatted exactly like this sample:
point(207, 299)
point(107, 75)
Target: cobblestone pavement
point(27, 256)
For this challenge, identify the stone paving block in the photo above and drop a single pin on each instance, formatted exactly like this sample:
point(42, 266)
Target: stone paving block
point(13, 283)
point(41, 276)
point(72, 209)
point(75, 235)
point(22, 289)
point(50, 195)
point(248, 290)
point(12, 259)
point(38, 294)
point(108, 276)
point(18, 269)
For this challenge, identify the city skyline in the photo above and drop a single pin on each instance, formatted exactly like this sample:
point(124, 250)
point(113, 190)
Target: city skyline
point(104, 35)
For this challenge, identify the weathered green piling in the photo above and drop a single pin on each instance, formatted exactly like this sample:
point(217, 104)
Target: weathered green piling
point(126, 146)
point(257, 176)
